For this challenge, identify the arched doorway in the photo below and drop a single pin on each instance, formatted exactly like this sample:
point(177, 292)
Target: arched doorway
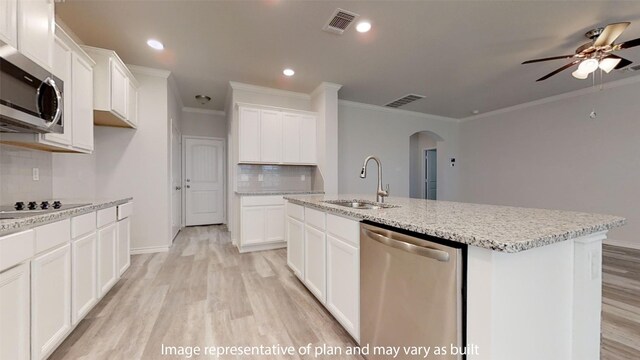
point(423, 168)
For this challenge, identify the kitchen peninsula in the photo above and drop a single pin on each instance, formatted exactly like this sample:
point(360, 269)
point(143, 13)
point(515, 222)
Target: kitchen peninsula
point(533, 276)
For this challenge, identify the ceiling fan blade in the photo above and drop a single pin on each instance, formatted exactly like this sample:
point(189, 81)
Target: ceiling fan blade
point(611, 33)
point(549, 58)
point(623, 62)
point(558, 70)
point(628, 44)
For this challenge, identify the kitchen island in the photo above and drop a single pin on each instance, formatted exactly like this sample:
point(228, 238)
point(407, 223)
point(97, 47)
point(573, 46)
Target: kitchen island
point(533, 276)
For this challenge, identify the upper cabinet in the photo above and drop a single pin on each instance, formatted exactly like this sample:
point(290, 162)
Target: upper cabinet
point(276, 136)
point(9, 22)
point(36, 28)
point(115, 90)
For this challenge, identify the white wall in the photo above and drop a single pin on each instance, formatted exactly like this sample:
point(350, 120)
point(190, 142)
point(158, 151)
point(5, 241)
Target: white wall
point(203, 123)
point(552, 155)
point(373, 130)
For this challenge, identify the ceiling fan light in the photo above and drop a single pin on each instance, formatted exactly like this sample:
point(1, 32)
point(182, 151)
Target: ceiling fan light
point(608, 64)
point(580, 75)
point(588, 66)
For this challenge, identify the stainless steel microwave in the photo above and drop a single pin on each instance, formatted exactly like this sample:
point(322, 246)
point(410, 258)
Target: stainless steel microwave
point(31, 98)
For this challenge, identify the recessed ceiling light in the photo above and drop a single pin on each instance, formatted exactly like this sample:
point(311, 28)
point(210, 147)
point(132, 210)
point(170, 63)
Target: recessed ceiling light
point(476, 112)
point(363, 26)
point(155, 44)
point(288, 72)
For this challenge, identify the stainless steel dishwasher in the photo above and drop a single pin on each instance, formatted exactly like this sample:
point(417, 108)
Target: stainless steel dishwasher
point(411, 293)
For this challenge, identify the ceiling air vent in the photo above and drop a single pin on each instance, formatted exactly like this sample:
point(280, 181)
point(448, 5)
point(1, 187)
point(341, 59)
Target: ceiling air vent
point(404, 100)
point(635, 68)
point(340, 21)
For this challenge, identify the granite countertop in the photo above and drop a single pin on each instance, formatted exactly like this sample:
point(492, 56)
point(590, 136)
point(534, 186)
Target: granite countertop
point(8, 226)
point(278, 192)
point(501, 228)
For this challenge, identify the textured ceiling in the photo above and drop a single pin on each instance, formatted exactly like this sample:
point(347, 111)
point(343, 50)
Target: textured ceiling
point(463, 56)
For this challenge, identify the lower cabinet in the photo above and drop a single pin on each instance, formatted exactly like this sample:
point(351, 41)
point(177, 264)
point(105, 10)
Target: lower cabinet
point(314, 262)
point(107, 271)
point(84, 276)
point(343, 283)
point(262, 223)
point(124, 244)
point(50, 300)
point(295, 246)
point(15, 313)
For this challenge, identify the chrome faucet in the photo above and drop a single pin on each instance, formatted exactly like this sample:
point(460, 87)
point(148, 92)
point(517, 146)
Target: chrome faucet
point(380, 193)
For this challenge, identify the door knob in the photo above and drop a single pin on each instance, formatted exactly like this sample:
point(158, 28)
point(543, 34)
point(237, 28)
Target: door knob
point(178, 187)
point(188, 186)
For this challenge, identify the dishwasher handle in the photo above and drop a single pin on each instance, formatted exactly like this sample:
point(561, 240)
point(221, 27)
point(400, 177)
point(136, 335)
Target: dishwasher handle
point(405, 246)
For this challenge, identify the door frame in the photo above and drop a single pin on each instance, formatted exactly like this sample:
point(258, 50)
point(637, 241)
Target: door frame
point(423, 188)
point(173, 125)
point(224, 175)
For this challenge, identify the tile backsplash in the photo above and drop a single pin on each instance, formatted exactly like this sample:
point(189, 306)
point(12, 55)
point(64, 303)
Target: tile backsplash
point(16, 175)
point(275, 178)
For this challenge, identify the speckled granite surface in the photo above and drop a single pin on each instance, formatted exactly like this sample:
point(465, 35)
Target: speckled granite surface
point(8, 226)
point(259, 193)
point(500, 228)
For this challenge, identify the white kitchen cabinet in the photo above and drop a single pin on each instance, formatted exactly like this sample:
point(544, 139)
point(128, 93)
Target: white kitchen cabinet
point(36, 28)
point(291, 132)
point(262, 223)
point(253, 225)
point(314, 262)
point(112, 82)
point(274, 223)
point(308, 139)
point(270, 136)
point(295, 246)
point(107, 271)
point(249, 135)
point(84, 275)
point(9, 22)
point(50, 300)
point(62, 62)
point(124, 245)
point(82, 103)
point(15, 315)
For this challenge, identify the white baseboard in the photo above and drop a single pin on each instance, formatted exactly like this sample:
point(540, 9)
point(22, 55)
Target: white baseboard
point(149, 250)
point(262, 247)
point(624, 244)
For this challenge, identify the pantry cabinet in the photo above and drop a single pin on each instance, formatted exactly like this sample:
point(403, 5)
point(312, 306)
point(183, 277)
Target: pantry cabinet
point(36, 26)
point(15, 297)
point(276, 136)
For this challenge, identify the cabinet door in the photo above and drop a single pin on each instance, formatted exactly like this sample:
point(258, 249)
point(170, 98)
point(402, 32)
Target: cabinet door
point(14, 313)
point(50, 300)
point(253, 225)
point(291, 138)
point(132, 103)
point(82, 103)
point(270, 136)
point(314, 262)
point(249, 135)
point(36, 31)
point(84, 276)
point(308, 138)
point(295, 246)
point(119, 86)
point(343, 283)
point(62, 63)
point(107, 272)
point(9, 22)
point(274, 223)
point(124, 245)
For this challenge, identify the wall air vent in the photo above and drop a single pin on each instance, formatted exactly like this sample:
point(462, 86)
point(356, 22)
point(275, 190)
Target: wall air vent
point(340, 21)
point(404, 100)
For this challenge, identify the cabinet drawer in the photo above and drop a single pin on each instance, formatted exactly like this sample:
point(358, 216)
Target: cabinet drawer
point(344, 228)
point(52, 235)
point(106, 216)
point(125, 210)
point(262, 200)
point(83, 224)
point(295, 211)
point(16, 248)
point(315, 218)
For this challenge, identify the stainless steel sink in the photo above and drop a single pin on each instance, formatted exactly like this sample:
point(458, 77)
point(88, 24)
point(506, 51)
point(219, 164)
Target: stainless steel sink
point(361, 204)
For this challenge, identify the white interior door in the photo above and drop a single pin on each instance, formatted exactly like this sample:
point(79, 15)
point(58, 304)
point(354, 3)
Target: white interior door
point(176, 182)
point(204, 181)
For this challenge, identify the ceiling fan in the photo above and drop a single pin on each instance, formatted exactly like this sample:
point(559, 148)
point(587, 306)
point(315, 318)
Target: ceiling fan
point(597, 53)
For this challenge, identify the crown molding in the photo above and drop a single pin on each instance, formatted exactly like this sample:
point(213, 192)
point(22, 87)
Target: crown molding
point(266, 90)
point(203, 111)
point(173, 86)
point(550, 99)
point(325, 86)
point(396, 111)
point(149, 71)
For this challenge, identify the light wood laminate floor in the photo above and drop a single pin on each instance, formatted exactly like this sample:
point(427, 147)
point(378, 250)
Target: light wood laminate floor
point(204, 293)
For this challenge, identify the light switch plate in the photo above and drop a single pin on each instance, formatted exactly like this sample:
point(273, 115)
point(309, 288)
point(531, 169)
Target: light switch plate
point(244, 177)
point(260, 177)
point(303, 177)
point(36, 174)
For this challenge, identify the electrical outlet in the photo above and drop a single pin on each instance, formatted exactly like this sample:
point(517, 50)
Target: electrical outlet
point(303, 177)
point(244, 177)
point(36, 174)
point(260, 177)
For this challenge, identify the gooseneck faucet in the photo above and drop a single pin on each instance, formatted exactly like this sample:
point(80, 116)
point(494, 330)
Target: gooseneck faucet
point(381, 193)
